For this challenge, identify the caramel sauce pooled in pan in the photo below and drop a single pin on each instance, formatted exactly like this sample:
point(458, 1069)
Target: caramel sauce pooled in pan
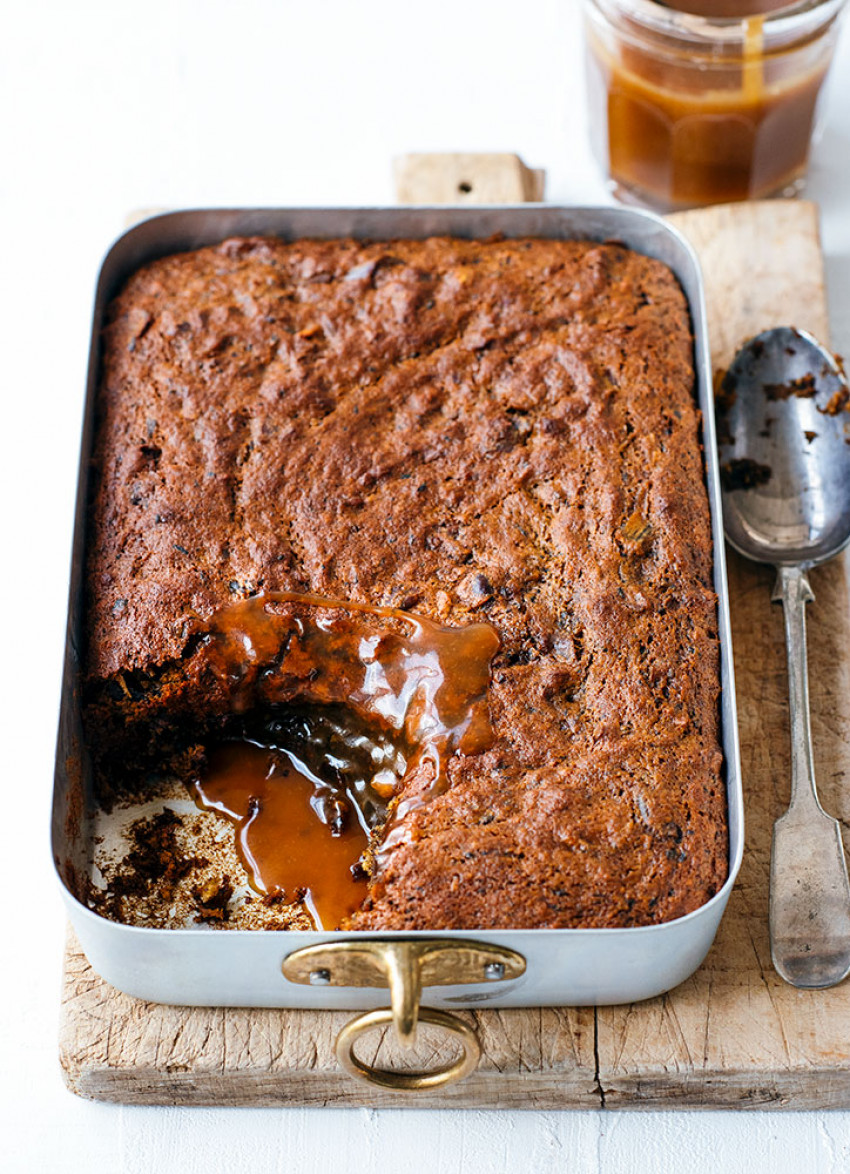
point(338, 718)
point(284, 842)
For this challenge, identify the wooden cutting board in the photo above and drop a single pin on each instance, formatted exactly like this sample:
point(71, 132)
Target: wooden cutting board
point(734, 1034)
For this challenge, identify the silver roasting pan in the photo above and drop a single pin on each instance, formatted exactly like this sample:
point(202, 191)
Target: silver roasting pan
point(503, 968)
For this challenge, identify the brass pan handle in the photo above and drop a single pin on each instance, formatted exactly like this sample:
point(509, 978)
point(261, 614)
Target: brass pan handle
point(404, 965)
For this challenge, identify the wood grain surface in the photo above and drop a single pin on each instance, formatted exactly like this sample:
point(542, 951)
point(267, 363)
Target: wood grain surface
point(466, 178)
point(734, 1034)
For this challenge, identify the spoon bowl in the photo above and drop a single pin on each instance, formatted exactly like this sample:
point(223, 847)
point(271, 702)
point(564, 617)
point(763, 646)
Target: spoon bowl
point(784, 436)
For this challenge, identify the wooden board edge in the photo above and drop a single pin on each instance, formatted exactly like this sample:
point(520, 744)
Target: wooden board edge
point(794, 1090)
point(145, 1086)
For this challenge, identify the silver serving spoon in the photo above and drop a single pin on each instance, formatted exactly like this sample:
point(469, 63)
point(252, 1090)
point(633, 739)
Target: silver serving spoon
point(784, 437)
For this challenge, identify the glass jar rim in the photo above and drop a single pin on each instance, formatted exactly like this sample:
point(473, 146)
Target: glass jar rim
point(795, 20)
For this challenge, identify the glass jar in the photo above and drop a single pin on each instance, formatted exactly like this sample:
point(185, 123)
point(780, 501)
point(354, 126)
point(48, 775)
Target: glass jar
point(689, 109)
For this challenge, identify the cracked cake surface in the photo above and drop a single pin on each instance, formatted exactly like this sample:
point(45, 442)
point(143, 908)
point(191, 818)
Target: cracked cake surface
point(500, 432)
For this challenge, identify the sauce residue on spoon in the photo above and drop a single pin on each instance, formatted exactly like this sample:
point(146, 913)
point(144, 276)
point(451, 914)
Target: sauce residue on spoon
point(336, 719)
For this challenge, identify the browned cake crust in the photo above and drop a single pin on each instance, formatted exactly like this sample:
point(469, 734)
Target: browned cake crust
point(503, 431)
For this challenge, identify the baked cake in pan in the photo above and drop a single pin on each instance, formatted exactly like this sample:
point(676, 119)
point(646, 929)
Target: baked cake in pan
point(490, 448)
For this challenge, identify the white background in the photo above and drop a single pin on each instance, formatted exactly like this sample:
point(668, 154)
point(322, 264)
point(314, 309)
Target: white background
point(111, 107)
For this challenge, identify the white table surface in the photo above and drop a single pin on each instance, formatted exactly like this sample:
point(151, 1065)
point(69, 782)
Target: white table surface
point(110, 107)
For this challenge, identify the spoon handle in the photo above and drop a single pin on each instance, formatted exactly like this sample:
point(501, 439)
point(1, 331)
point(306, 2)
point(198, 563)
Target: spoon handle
point(794, 591)
point(809, 890)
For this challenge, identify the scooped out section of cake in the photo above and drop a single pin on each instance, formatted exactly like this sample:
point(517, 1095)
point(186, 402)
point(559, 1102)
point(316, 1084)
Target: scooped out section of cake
point(312, 786)
point(332, 726)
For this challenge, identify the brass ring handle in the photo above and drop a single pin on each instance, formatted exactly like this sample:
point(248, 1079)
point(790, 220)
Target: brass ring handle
point(405, 965)
point(410, 1081)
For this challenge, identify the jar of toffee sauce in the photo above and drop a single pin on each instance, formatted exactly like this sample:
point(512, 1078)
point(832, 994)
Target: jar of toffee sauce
point(706, 101)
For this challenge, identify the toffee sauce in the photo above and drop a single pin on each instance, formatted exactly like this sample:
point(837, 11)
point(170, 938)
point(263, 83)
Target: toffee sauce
point(680, 133)
point(284, 839)
point(340, 728)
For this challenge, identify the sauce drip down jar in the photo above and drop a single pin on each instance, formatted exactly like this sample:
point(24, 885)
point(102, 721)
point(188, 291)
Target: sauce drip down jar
point(689, 109)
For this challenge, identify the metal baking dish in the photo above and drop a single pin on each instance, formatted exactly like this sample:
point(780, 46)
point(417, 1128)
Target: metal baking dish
point(505, 968)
